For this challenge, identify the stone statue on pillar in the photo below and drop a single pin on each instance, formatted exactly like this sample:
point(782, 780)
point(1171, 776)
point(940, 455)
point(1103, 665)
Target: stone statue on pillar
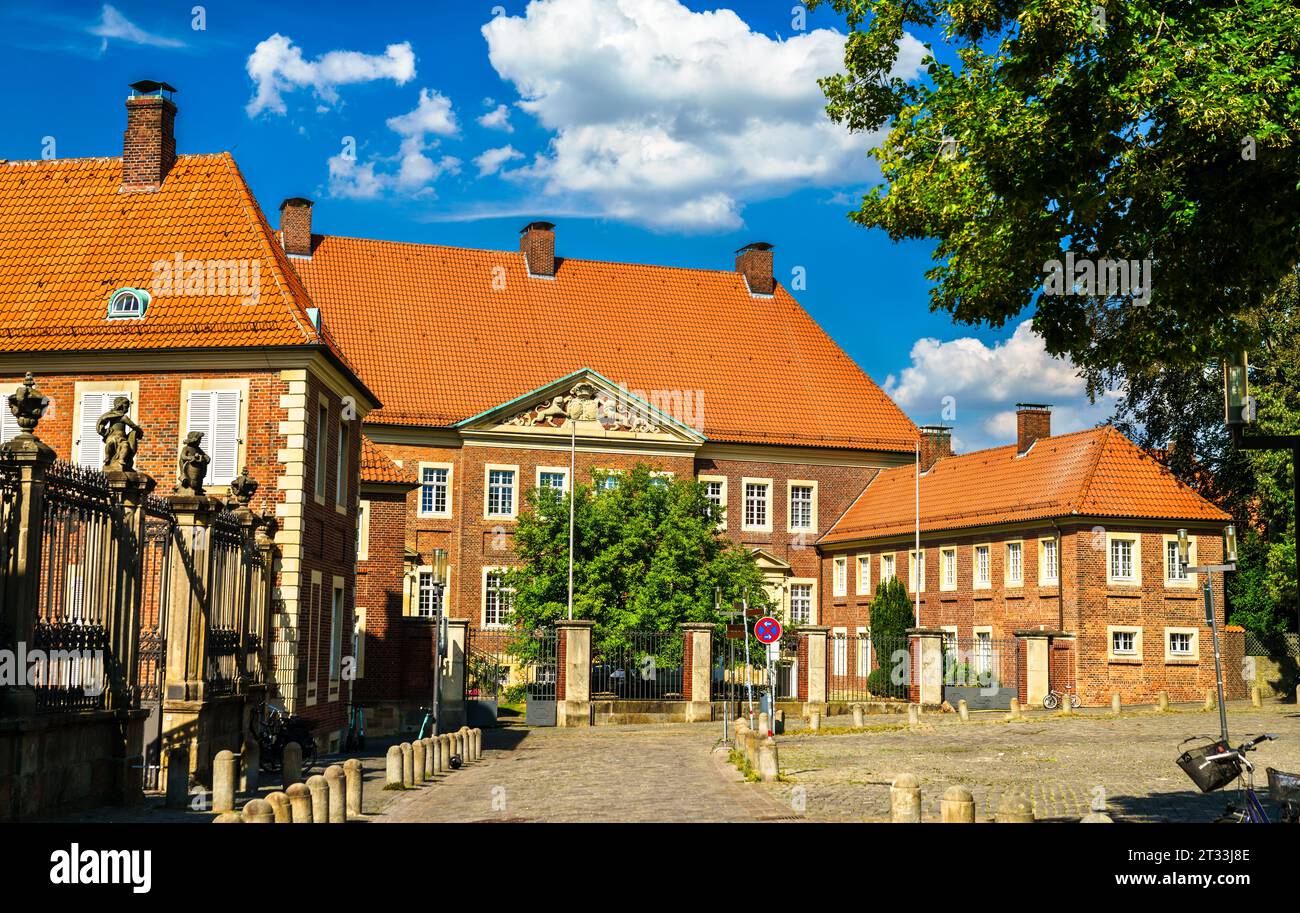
point(27, 404)
point(121, 436)
point(242, 489)
point(193, 464)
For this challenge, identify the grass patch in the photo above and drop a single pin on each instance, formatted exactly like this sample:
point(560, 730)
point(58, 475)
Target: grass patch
point(852, 730)
point(398, 787)
point(742, 764)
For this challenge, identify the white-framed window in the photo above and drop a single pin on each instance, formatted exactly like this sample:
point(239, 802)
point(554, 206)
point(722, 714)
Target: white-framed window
point(1182, 644)
point(888, 569)
point(435, 490)
point(803, 506)
point(337, 604)
point(983, 651)
point(8, 426)
point(801, 603)
point(363, 530)
point(840, 648)
point(92, 403)
point(1049, 561)
point(840, 573)
point(862, 661)
point(948, 568)
point(359, 640)
point(916, 570)
point(553, 477)
point(949, 640)
point(341, 466)
point(715, 489)
point(608, 479)
point(309, 646)
point(1015, 570)
point(982, 567)
point(758, 505)
point(499, 490)
point(1124, 642)
point(128, 302)
point(428, 597)
point(496, 598)
point(1175, 576)
point(322, 446)
point(1123, 559)
point(217, 413)
point(864, 574)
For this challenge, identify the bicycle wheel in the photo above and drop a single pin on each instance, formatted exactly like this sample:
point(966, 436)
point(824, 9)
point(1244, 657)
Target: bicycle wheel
point(1050, 702)
point(1074, 701)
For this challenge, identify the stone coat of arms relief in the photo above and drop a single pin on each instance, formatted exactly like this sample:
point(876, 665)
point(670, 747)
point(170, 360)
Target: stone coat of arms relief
point(585, 403)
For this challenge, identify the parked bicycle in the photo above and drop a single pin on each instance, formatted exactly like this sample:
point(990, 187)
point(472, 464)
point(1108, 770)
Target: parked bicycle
point(274, 728)
point(1217, 764)
point(1054, 698)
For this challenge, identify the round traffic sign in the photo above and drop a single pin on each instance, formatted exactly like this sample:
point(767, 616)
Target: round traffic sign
point(767, 629)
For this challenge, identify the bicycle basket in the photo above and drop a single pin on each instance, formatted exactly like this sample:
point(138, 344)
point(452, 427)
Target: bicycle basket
point(1283, 787)
point(1209, 775)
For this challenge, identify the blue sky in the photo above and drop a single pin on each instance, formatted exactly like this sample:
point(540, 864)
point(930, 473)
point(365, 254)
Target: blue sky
point(649, 130)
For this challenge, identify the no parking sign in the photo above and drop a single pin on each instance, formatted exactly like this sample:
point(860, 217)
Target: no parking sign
point(767, 629)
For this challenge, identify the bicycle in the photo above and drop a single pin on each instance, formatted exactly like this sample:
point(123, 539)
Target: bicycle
point(1053, 700)
point(1217, 764)
point(274, 729)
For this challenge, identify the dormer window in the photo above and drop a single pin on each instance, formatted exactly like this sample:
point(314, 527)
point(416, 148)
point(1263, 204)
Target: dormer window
point(128, 302)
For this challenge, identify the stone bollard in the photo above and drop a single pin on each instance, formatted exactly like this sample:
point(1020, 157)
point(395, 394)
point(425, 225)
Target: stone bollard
point(299, 803)
point(335, 780)
point(1096, 818)
point(320, 799)
point(768, 767)
point(1015, 710)
point(250, 766)
point(280, 808)
point(1162, 701)
point(408, 764)
point(815, 721)
point(436, 761)
point(291, 765)
point(478, 744)
point(228, 818)
point(1065, 708)
point(448, 749)
point(957, 806)
point(393, 771)
point(259, 811)
point(1014, 810)
point(352, 774)
point(905, 800)
point(858, 716)
point(913, 714)
point(962, 710)
point(1209, 700)
point(417, 762)
point(1256, 697)
point(1116, 705)
point(225, 771)
point(763, 726)
point(178, 777)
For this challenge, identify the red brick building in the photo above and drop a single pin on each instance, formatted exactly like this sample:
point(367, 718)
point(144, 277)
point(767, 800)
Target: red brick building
point(1074, 534)
point(155, 276)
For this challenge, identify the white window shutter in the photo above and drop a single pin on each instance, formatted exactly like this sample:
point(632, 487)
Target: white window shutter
point(90, 446)
point(8, 424)
point(224, 439)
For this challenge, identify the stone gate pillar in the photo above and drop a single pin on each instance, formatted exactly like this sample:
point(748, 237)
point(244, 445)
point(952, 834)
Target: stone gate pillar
point(574, 707)
point(129, 490)
point(812, 652)
point(1037, 664)
point(451, 697)
point(927, 661)
point(697, 669)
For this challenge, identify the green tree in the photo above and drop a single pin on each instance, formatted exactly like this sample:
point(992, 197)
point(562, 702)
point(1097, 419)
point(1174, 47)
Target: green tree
point(648, 555)
point(1158, 129)
point(892, 613)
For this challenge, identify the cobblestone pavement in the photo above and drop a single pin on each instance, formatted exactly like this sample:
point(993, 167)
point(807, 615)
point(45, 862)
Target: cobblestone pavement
point(601, 774)
point(1065, 765)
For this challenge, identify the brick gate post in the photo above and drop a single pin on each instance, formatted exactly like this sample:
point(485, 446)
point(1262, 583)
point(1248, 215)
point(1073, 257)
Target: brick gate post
point(927, 674)
point(574, 709)
point(812, 653)
point(697, 668)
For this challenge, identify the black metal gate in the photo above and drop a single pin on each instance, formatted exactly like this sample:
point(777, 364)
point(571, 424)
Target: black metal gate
point(159, 526)
point(982, 670)
point(738, 679)
point(508, 673)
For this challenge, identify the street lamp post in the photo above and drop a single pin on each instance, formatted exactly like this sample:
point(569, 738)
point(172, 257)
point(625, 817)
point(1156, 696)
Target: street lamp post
point(1212, 616)
point(440, 633)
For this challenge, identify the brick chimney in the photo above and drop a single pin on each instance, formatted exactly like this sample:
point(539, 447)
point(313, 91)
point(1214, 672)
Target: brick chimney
point(149, 144)
point(295, 226)
point(1033, 421)
point(754, 262)
point(936, 443)
point(537, 243)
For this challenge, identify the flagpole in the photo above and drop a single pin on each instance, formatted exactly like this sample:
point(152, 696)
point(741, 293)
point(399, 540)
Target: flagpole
point(916, 583)
point(573, 456)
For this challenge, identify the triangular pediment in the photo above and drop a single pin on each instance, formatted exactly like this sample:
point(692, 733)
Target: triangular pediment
point(770, 563)
point(588, 405)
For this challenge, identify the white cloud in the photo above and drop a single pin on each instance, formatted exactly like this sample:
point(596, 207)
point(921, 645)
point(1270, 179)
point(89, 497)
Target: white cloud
point(985, 382)
point(497, 119)
point(674, 118)
point(277, 66)
point(112, 24)
point(417, 170)
point(491, 160)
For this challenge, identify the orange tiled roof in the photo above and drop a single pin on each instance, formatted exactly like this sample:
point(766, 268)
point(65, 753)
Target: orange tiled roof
point(443, 334)
point(377, 467)
point(1093, 473)
point(68, 239)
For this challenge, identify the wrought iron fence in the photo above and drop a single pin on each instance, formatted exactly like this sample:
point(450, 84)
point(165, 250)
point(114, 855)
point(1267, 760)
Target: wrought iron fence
point(9, 494)
point(737, 676)
point(982, 670)
point(226, 599)
point(860, 667)
point(512, 667)
point(151, 652)
point(637, 665)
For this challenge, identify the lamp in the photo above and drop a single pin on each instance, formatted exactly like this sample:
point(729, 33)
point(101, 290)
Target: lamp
point(1236, 388)
point(1230, 544)
point(1184, 549)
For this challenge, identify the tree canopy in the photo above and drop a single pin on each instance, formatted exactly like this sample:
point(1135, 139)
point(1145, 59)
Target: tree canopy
point(1160, 130)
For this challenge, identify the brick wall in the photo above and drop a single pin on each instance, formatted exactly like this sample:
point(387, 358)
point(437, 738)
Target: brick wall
point(379, 594)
